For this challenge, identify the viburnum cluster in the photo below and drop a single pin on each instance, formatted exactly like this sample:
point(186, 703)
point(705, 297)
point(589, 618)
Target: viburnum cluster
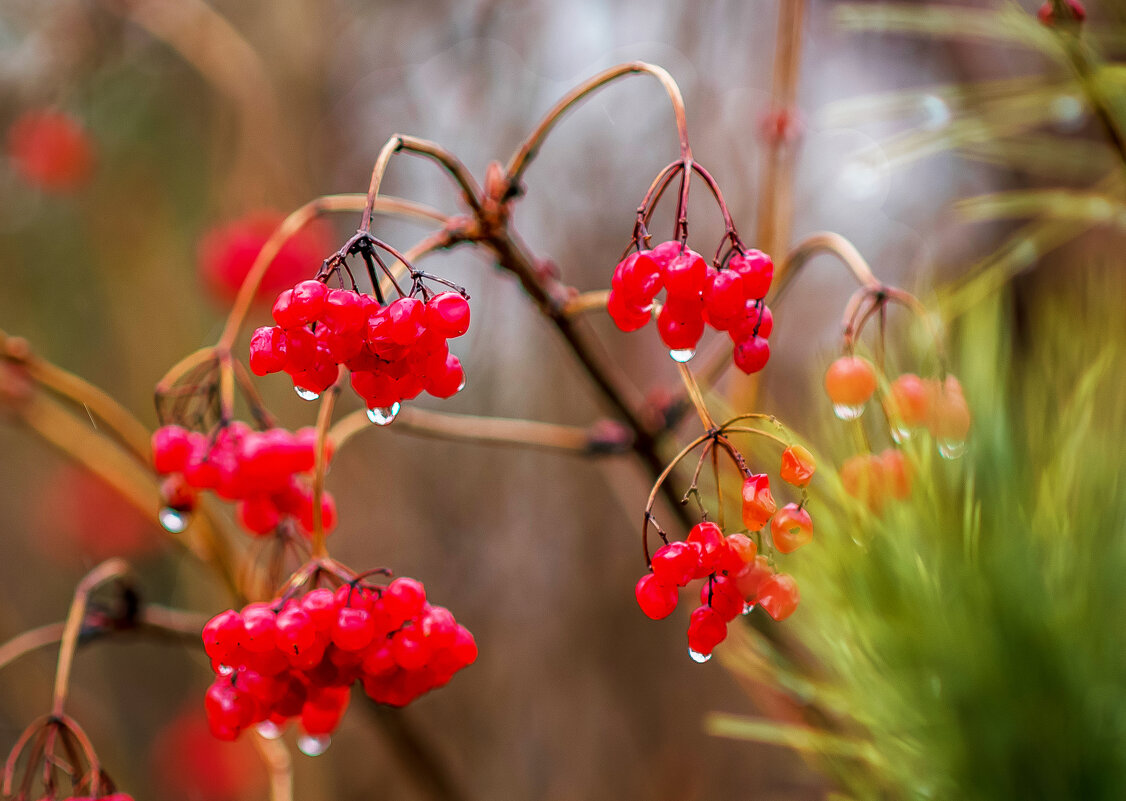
point(297, 658)
point(264, 472)
point(727, 297)
point(394, 351)
point(736, 577)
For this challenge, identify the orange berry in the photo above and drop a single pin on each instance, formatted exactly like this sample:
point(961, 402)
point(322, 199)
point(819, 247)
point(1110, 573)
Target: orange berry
point(863, 479)
point(797, 466)
point(758, 503)
point(897, 473)
point(909, 399)
point(791, 528)
point(850, 382)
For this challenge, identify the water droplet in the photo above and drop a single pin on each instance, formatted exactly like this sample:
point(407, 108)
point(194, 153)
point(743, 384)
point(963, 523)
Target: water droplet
point(683, 355)
point(384, 415)
point(225, 670)
point(900, 434)
point(173, 521)
point(936, 114)
point(461, 386)
point(306, 394)
point(1068, 111)
point(699, 657)
point(269, 730)
point(311, 745)
point(748, 608)
point(951, 448)
point(846, 412)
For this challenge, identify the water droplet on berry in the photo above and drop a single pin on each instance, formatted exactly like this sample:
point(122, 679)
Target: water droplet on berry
point(173, 521)
point(846, 412)
point(747, 608)
point(951, 448)
point(310, 745)
point(306, 394)
point(269, 730)
point(683, 355)
point(900, 434)
point(461, 386)
point(384, 415)
point(699, 657)
point(225, 670)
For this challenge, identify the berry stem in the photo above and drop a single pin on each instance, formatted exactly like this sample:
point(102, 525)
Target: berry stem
point(531, 145)
point(324, 420)
point(119, 420)
point(661, 478)
point(292, 224)
point(823, 242)
point(696, 396)
point(587, 302)
point(758, 431)
point(108, 570)
point(279, 766)
point(487, 431)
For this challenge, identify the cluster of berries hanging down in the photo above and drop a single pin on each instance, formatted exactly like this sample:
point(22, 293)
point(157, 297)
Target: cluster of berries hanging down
point(737, 569)
point(265, 472)
point(394, 351)
point(727, 295)
point(297, 657)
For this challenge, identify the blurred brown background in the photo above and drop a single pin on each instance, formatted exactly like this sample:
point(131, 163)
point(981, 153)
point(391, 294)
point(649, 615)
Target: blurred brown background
point(575, 694)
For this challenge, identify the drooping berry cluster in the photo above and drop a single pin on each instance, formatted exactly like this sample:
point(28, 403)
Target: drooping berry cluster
point(298, 658)
point(261, 470)
point(736, 577)
point(394, 351)
point(697, 295)
point(911, 403)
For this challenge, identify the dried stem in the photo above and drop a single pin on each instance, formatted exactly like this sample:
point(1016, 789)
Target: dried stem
point(696, 396)
point(279, 766)
point(486, 431)
point(324, 420)
point(531, 145)
point(587, 302)
point(107, 571)
point(824, 242)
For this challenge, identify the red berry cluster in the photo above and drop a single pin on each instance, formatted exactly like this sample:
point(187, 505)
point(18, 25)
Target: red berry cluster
point(737, 579)
point(298, 658)
point(394, 351)
point(729, 299)
point(258, 469)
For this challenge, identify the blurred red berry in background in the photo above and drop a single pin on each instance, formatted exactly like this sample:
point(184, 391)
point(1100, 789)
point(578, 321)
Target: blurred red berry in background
point(77, 514)
point(227, 252)
point(188, 764)
point(51, 150)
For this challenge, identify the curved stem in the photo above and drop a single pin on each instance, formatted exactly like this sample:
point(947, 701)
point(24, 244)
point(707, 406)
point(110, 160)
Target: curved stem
point(696, 396)
point(587, 302)
point(530, 147)
point(824, 242)
point(106, 571)
point(130, 431)
point(661, 478)
point(757, 431)
point(471, 194)
point(324, 420)
point(729, 224)
point(485, 431)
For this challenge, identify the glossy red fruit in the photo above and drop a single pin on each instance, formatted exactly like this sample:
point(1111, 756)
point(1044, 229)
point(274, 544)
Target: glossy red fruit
point(449, 380)
point(797, 466)
point(675, 564)
point(638, 279)
point(722, 595)
point(448, 314)
point(51, 150)
point(850, 381)
point(751, 355)
point(791, 528)
point(706, 630)
point(709, 537)
point(679, 333)
point(740, 552)
point(723, 295)
point(778, 596)
point(685, 274)
point(627, 317)
point(656, 600)
point(227, 252)
point(751, 577)
point(757, 270)
point(758, 502)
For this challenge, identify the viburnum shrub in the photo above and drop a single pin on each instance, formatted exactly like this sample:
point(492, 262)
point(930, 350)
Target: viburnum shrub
point(302, 628)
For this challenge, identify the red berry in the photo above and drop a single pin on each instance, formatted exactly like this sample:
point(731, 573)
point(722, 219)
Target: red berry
point(448, 314)
point(267, 350)
point(626, 316)
point(721, 595)
point(778, 596)
point(751, 355)
point(354, 629)
point(710, 539)
point(685, 274)
point(675, 564)
point(757, 270)
point(664, 253)
point(706, 630)
point(308, 301)
point(758, 503)
point(723, 295)
point(404, 598)
point(638, 278)
point(51, 150)
point(656, 600)
point(171, 449)
point(740, 552)
point(791, 528)
point(258, 514)
point(909, 400)
point(679, 334)
point(449, 381)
